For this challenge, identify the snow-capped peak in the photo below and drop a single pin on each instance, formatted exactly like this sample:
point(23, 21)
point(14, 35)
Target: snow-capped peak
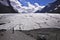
point(23, 9)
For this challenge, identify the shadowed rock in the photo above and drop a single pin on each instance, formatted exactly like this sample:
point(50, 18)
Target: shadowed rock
point(7, 9)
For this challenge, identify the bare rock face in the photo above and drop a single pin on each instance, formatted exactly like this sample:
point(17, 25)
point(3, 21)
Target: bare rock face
point(29, 21)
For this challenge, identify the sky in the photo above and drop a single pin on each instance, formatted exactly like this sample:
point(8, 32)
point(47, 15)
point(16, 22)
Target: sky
point(40, 2)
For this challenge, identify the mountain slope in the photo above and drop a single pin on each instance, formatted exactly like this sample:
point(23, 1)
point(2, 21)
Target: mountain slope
point(51, 8)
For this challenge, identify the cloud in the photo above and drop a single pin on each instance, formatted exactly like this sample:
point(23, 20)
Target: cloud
point(25, 9)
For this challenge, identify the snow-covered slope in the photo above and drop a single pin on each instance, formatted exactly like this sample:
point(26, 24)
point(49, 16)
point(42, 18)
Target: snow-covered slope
point(29, 21)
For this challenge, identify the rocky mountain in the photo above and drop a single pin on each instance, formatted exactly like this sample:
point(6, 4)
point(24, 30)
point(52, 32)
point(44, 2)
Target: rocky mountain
point(13, 6)
point(51, 8)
